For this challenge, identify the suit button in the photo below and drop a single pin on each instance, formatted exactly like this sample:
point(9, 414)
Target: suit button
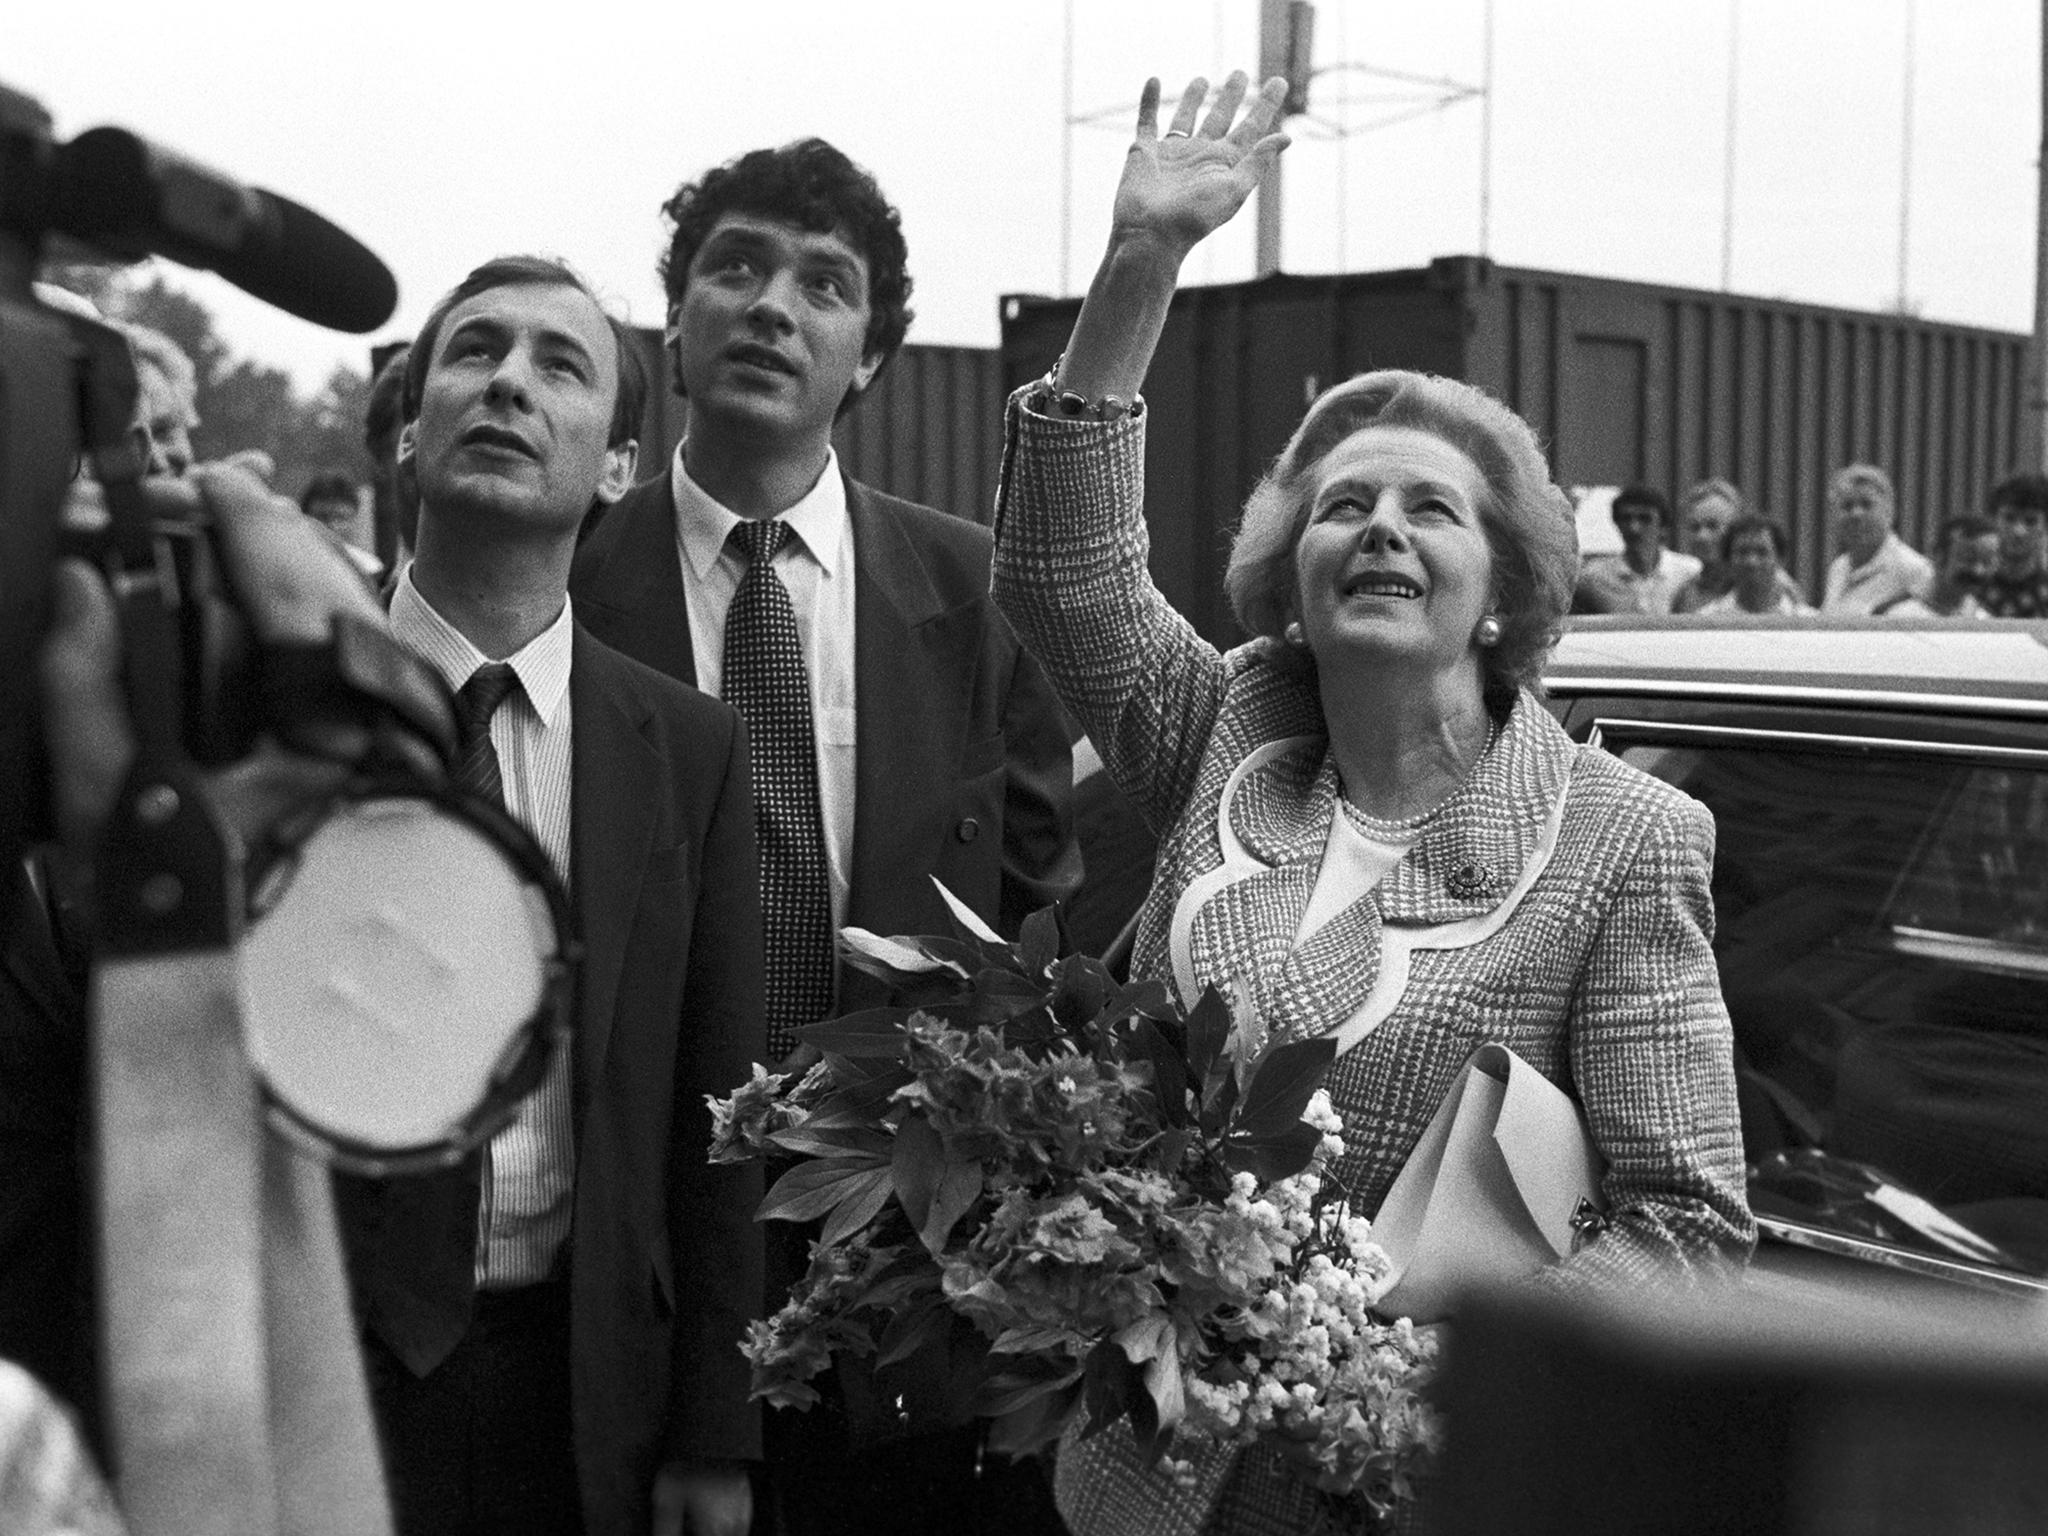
point(968, 830)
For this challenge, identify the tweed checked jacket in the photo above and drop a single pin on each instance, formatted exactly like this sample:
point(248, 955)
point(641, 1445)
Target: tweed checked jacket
point(1557, 903)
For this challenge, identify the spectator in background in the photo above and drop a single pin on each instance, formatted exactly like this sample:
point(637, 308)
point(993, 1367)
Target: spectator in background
point(1648, 574)
point(2018, 588)
point(166, 398)
point(394, 494)
point(332, 500)
point(1966, 553)
point(1704, 512)
point(1753, 551)
point(1875, 566)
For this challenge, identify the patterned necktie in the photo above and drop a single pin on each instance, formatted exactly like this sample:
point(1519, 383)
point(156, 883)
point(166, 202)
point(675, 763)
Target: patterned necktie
point(476, 760)
point(766, 682)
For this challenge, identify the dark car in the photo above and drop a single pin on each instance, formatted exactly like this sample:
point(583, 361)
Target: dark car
point(1880, 791)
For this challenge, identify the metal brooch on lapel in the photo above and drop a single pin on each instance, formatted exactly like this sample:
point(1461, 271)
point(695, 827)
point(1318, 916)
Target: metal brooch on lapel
point(1471, 879)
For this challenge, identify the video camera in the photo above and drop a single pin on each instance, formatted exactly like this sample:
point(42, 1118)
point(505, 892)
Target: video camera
point(67, 390)
point(397, 926)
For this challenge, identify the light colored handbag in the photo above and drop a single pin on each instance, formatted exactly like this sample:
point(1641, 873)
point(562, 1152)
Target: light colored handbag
point(1505, 1180)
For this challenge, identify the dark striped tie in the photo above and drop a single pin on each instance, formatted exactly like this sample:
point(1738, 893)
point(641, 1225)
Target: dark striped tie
point(476, 760)
point(766, 682)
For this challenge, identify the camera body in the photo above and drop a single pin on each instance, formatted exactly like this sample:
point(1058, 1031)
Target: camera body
point(67, 400)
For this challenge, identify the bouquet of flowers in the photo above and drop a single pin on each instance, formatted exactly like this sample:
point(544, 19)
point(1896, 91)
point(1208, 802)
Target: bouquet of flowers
point(1124, 1207)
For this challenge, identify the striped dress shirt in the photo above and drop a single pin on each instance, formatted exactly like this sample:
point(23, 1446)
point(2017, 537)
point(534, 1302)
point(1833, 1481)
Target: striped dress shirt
point(530, 1171)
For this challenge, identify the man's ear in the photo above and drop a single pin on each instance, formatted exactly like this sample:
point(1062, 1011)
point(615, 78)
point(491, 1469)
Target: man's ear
point(672, 347)
point(864, 375)
point(408, 442)
point(620, 460)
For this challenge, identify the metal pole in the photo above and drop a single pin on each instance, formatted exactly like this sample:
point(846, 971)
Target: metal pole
point(1486, 141)
point(2036, 420)
point(1728, 153)
point(1906, 161)
point(1272, 59)
point(1067, 156)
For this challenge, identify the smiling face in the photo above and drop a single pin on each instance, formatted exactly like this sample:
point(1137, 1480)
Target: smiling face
point(1393, 563)
point(517, 406)
point(770, 335)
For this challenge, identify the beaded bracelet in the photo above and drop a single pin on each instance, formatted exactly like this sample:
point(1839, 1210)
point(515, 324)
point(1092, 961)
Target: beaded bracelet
point(1048, 399)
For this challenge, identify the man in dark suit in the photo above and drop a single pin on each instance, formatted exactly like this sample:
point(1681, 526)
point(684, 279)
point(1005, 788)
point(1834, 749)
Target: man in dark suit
point(915, 739)
point(551, 1330)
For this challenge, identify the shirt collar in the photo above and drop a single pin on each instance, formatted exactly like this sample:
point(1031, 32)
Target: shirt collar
point(705, 523)
point(541, 665)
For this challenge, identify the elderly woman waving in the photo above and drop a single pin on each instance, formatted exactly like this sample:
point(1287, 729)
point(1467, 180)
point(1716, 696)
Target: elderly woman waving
point(1366, 816)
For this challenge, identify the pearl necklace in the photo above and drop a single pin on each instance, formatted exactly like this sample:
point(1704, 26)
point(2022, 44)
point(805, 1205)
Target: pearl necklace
point(1407, 829)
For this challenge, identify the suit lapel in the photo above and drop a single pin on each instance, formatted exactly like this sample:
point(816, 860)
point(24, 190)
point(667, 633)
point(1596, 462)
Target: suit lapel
point(615, 784)
point(897, 703)
point(1279, 816)
point(1475, 849)
point(640, 582)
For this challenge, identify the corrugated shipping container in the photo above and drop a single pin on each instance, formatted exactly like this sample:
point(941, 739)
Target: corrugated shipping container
point(1624, 382)
point(929, 430)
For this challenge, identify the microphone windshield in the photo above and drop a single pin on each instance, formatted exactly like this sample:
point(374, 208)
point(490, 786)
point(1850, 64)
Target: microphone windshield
point(131, 197)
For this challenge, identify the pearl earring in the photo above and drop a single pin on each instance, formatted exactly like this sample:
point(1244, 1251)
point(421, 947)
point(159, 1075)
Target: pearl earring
point(1294, 635)
point(1488, 633)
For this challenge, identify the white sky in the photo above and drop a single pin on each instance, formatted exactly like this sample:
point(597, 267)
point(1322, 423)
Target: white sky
point(442, 135)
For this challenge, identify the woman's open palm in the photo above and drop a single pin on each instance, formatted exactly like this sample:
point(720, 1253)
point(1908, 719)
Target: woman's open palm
point(1188, 182)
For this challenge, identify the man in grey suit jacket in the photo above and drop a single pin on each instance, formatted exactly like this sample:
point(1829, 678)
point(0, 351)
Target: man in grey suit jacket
point(939, 749)
point(552, 1329)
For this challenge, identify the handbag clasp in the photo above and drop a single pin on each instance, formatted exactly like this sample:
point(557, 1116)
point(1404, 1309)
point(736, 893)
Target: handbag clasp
point(1588, 1222)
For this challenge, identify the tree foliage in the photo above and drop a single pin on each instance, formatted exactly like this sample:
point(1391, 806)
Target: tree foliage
point(242, 403)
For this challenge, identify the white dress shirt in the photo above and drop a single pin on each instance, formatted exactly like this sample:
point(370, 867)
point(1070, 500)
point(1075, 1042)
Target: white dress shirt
point(531, 1168)
point(816, 568)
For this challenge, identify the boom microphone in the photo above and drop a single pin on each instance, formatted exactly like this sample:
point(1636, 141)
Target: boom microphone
point(116, 190)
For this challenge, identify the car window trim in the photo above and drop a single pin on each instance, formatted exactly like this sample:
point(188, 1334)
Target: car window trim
point(1586, 685)
point(1634, 732)
point(1800, 1234)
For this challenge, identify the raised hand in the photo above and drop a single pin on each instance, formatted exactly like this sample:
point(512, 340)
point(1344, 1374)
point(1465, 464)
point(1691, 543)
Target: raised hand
point(1180, 186)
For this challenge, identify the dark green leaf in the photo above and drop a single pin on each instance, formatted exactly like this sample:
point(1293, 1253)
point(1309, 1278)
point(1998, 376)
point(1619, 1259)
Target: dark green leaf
point(1281, 1084)
point(812, 1140)
point(865, 1196)
point(959, 1187)
point(1012, 1390)
point(1208, 1026)
point(1037, 1424)
point(1148, 1043)
point(1168, 1394)
point(889, 960)
point(1111, 1385)
point(1219, 1097)
point(1038, 942)
point(811, 1189)
point(1027, 1341)
point(920, 1327)
point(918, 1162)
point(1270, 1158)
point(1082, 989)
point(871, 1032)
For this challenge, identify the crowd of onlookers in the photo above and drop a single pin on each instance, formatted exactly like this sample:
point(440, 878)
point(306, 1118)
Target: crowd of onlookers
point(1730, 559)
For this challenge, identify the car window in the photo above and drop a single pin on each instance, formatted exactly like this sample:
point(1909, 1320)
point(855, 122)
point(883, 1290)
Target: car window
point(1882, 934)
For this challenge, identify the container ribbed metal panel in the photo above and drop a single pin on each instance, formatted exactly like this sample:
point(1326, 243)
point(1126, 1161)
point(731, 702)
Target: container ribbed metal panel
point(1623, 382)
point(929, 429)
